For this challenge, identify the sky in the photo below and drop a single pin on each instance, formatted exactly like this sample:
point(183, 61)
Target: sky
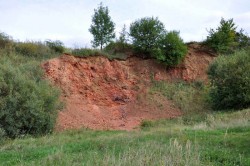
point(69, 20)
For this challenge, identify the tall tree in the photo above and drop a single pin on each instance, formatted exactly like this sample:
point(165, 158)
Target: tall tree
point(146, 34)
point(102, 27)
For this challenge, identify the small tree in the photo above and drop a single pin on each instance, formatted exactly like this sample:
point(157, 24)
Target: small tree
point(172, 49)
point(102, 27)
point(123, 36)
point(146, 34)
point(225, 39)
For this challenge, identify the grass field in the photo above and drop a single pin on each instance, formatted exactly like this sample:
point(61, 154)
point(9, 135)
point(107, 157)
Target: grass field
point(222, 139)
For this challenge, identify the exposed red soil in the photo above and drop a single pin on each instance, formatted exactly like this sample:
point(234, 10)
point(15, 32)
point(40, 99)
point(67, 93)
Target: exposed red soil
point(104, 94)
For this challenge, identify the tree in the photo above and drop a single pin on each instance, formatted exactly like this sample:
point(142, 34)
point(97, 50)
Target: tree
point(102, 27)
point(225, 39)
point(171, 50)
point(146, 34)
point(123, 35)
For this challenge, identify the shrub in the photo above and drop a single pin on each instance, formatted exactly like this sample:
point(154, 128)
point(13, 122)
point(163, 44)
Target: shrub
point(57, 45)
point(172, 49)
point(33, 49)
point(230, 81)
point(28, 105)
point(146, 34)
point(6, 42)
point(118, 47)
point(85, 52)
point(225, 39)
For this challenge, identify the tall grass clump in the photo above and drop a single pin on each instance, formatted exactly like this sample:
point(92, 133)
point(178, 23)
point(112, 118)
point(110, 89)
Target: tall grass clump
point(230, 81)
point(28, 104)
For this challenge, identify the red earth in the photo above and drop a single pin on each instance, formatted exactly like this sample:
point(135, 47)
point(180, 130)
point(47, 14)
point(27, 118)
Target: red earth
point(102, 94)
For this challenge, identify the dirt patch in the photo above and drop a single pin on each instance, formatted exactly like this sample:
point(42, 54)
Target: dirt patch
point(104, 94)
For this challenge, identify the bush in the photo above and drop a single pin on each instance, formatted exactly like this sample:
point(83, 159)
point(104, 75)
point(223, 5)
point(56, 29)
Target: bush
point(225, 39)
point(56, 46)
point(146, 34)
point(85, 52)
point(230, 81)
point(33, 49)
point(28, 105)
point(6, 42)
point(172, 49)
point(118, 47)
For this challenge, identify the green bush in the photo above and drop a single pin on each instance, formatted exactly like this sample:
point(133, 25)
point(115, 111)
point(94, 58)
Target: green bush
point(225, 39)
point(28, 105)
point(118, 47)
point(85, 52)
point(172, 49)
point(6, 42)
point(146, 34)
point(230, 81)
point(57, 45)
point(33, 49)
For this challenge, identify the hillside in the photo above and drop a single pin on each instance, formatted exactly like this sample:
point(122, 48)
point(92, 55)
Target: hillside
point(104, 94)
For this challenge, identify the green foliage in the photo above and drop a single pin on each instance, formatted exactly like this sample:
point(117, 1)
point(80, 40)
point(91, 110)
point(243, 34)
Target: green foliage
point(57, 45)
point(28, 104)
point(225, 39)
point(6, 42)
point(242, 39)
point(85, 52)
point(146, 34)
point(102, 27)
point(118, 47)
point(172, 49)
point(230, 81)
point(33, 49)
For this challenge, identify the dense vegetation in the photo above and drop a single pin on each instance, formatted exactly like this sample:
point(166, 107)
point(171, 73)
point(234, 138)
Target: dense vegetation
point(230, 79)
point(171, 50)
point(28, 103)
point(146, 34)
point(225, 38)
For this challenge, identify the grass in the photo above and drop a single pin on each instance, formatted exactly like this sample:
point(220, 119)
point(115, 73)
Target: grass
point(86, 52)
point(165, 142)
point(191, 98)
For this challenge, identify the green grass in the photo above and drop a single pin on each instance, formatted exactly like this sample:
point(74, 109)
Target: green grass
point(86, 52)
point(165, 142)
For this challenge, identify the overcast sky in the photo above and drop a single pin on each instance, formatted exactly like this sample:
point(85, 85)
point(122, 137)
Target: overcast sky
point(69, 20)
